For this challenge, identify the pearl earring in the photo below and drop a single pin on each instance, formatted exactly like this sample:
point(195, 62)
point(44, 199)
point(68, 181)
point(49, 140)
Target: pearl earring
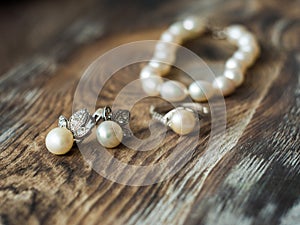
point(182, 119)
point(112, 130)
point(109, 133)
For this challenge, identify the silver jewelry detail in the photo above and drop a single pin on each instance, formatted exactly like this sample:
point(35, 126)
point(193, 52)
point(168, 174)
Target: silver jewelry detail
point(181, 119)
point(122, 117)
point(200, 109)
point(217, 33)
point(82, 122)
point(103, 113)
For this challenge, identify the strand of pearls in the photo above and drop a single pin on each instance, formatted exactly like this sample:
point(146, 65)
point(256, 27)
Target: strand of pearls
point(235, 67)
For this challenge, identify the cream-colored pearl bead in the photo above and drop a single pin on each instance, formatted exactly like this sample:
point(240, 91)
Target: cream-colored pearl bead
point(225, 85)
point(152, 85)
point(194, 24)
point(235, 32)
point(148, 71)
point(236, 76)
point(160, 67)
point(166, 47)
point(234, 64)
point(178, 30)
point(246, 57)
point(201, 90)
point(109, 134)
point(252, 48)
point(173, 91)
point(59, 141)
point(168, 37)
point(182, 121)
point(246, 39)
point(167, 57)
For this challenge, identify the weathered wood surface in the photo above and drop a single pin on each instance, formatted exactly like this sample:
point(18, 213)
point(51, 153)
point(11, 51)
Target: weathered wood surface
point(253, 179)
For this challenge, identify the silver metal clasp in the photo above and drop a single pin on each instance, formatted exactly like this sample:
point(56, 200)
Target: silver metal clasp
point(103, 113)
point(217, 32)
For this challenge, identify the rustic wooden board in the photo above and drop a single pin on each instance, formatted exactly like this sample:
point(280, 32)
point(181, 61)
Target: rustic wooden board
point(254, 178)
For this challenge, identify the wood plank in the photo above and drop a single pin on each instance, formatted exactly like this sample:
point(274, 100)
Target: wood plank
point(252, 179)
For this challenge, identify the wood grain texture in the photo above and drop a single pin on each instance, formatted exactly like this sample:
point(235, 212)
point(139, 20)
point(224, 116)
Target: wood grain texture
point(254, 178)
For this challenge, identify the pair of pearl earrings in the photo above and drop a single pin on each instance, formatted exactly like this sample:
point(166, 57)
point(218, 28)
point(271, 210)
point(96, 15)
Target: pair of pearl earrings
point(113, 127)
point(109, 133)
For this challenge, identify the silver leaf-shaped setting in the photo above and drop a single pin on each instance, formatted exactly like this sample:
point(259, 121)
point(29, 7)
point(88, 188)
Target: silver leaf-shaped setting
point(62, 121)
point(120, 116)
point(81, 123)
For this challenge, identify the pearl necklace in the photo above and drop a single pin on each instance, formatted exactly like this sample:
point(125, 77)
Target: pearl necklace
point(164, 56)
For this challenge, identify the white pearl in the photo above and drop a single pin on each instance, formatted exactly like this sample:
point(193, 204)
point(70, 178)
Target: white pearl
point(178, 30)
point(182, 121)
point(252, 49)
point(225, 85)
point(168, 37)
point(236, 76)
point(246, 57)
point(166, 47)
point(167, 57)
point(194, 24)
point(159, 66)
point(59, 141)
point(246, 39)
point(235, 32)
point(148, 71)
point(233, 63)
point(201, 90)
point(152, 85)
point(109, 134)
point(173, 91)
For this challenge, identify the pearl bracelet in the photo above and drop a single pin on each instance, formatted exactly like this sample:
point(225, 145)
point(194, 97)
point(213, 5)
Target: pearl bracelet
point(200, 90)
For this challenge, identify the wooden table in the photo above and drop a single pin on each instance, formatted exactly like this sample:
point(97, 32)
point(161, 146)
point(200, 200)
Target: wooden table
point(254, 178)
